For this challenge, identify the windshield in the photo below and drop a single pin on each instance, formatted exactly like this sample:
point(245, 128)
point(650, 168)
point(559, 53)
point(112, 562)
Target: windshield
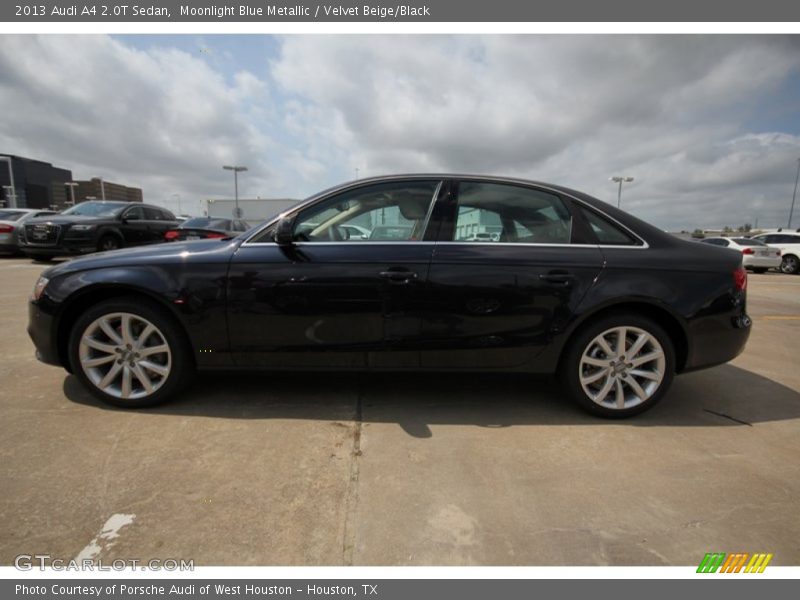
point(10, 215)
point(204, 222)
point(95, 209)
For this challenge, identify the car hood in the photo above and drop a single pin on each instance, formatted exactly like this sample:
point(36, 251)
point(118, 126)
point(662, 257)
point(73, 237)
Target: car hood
point(203, 251)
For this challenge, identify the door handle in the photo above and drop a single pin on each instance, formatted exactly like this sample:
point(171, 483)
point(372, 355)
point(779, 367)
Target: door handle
point(398, 276)
point(557, 277)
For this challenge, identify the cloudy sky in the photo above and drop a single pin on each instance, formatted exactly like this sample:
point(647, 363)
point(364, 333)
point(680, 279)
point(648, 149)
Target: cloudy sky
point(709, 126)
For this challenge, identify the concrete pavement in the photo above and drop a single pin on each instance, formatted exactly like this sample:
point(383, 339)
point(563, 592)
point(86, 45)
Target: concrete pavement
point(327, 469)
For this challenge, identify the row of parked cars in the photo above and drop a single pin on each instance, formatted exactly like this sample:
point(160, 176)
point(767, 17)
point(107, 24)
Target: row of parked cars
point(108, 225)
point(772, 250)
point(102, 225)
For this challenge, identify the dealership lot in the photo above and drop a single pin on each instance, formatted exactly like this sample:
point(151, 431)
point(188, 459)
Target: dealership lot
point(329, 469)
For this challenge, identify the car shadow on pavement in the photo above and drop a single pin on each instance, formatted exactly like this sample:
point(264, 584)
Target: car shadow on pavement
point(724, 396)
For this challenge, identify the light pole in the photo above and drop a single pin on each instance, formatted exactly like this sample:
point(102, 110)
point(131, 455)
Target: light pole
point(8, 190)
point(71, 185)
point(179, 201)
point(356, 172)
point(620, 181)
point(236, 170)
point(13, 197)
point(794, 195)
point(102, 190)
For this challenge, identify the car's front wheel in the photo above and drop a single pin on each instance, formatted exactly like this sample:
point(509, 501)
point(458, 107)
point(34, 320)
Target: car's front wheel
point(108, 242)
point(619, 366)
point(129, 352)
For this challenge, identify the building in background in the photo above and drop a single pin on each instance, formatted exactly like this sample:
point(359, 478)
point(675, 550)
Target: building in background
point(37, 184)
point(93, 189)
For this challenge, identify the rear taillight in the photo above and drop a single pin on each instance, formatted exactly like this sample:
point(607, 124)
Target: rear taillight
point(171, 235)
point(6, 229)
point(214, 235)
point(747, 251)
point(740, 279)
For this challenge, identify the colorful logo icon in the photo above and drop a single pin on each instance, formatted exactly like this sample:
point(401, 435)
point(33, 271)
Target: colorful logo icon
point(738, 562)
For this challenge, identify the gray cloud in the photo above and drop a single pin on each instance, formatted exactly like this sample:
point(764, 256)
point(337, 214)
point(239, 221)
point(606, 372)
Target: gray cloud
point(686, 115)
point(670, 110)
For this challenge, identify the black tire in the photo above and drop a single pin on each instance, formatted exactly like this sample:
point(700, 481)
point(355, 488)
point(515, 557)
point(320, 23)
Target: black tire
point(790, 264)
point(571, 369)
point(181, 365)
point(108, 242)
point(760, 270)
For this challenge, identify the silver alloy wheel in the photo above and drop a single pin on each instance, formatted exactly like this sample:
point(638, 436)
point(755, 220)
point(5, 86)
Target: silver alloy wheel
point(125, 355)
point(789, 265)
point(622, 367)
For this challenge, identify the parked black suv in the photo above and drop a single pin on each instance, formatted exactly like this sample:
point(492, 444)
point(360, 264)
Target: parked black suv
point(95, 226)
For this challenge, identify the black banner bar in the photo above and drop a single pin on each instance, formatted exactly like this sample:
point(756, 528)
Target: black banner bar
point(391, 11)
point(730, 588)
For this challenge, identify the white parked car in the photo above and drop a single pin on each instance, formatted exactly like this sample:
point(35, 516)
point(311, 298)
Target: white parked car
point(756, 255)
point(788, 243)
point(11, 221)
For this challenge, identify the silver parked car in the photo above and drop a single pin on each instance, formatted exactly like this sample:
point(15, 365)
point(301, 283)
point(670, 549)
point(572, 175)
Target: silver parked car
point(11, 221)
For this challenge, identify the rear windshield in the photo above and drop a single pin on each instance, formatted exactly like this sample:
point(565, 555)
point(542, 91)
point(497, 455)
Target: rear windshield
point(748, 242)
point(10, 215)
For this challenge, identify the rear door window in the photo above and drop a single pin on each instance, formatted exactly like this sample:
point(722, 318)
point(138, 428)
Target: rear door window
point(503, 213)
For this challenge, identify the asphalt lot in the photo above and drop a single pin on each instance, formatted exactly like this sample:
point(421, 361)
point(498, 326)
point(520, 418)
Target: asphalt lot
point(322, 469)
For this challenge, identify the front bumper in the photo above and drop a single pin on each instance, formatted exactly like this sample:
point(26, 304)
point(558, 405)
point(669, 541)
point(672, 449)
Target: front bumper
point(41, 329)
point(64, 248)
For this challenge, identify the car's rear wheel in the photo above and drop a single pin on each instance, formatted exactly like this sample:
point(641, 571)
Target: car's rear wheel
point(619, 366)
point(108, 242)
point(129, 352)
point(790, 264)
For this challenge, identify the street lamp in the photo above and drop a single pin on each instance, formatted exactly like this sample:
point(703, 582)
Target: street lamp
point(794, 195)
point(236, 170)
point(13, 197)
point(179, 201)
point(71, 185)
point(620, 181)
point(102, 190)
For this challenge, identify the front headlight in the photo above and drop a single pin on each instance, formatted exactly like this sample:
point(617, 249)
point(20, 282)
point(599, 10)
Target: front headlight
point(82, 227)
point(38, 289)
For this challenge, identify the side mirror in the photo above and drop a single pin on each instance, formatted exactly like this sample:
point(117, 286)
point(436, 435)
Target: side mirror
point(284, 232)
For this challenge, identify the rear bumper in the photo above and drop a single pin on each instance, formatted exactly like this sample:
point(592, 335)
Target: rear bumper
point(765, 262)
point(716, 340)
point(41, 331)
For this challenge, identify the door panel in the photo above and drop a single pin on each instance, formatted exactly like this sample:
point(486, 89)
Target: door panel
point(505, 276)
point(498, 305)
point(326, 304)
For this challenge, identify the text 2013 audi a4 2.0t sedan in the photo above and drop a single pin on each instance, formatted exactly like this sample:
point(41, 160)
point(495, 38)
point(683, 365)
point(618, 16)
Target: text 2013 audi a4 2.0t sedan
point(563, 284)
